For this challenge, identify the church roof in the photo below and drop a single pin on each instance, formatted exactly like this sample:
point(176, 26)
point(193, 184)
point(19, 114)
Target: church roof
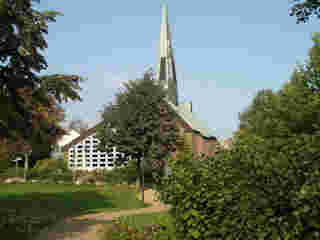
point(191, 119)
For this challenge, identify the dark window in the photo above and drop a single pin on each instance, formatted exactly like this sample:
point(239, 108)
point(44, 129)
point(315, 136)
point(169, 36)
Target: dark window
point(110, 165)
point(88, 141)
point(80, 146)
point(102, 155)
point(79, 151)
point(71, 165)
point(95, 165)
point(110, 150)
point(102, 160)
point(95, 150)
point(79, 165)
point(87, 156)
point(71, 156)
point(95, 155)
point(71, 160)
point(87, 151)
point(95, 160)
point(102, 165)
point(79, 155)
point(87, 165)
point(110, 155)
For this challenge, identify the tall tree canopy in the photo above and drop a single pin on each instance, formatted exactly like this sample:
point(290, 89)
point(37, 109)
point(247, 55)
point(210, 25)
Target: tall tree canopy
point(304, 9)
point(29, 102)
point(140, 123)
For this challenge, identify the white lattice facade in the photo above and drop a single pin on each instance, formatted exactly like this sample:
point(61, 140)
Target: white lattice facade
point(85, 155)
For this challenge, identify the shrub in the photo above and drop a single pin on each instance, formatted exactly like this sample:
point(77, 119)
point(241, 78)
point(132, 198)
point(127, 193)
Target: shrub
point(53, 169)
point(261, 189)
point(124, 229)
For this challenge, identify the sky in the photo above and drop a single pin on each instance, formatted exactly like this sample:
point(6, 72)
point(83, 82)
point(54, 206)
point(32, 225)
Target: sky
point(224, 52)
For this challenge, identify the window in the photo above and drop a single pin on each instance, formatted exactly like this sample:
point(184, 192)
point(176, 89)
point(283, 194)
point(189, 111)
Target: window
point(72, 156)
point(79, 151)
point(80, 146)
point(88, 141)
point(95, 141)
point(71, 160)
point(71, 165)
point(102, 165)
point(95, 150)
point(102, 160)
point(80, 156)
point(87, 165)
point(72, 151)
point(95, 155)
point(95, 165)
point(102, 155)
point(87, 151)
point(79, 165)
point(110, 165)
point(95, 160)
point(87, 156)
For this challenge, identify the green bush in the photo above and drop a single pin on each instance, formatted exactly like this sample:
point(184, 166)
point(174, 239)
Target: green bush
point(124, 228)
point(261, 189)
point(127, 174)
point(53, 169)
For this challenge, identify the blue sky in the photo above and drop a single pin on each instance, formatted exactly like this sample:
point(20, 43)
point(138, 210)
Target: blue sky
point(224, 52)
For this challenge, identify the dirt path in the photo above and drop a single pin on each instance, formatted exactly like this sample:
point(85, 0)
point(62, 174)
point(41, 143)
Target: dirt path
point(86, 227)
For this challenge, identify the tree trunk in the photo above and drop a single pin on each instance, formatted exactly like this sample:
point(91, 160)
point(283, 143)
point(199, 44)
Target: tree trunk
point(26, 165)
point(141, 179)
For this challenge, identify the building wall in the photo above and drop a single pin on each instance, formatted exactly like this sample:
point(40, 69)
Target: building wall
point(86, 156)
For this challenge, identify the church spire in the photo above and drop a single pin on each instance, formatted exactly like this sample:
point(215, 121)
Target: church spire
point(166, 73)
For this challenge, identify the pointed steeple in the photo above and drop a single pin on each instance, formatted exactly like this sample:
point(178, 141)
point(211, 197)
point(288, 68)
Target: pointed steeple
point(166, 72)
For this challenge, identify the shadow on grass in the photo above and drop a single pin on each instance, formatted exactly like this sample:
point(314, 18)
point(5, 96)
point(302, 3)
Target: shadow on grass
point(25, 210)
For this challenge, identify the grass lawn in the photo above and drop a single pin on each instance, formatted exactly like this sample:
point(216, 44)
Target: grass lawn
point(26, 208)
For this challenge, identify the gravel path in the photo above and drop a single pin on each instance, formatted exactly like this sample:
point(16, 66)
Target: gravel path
point(87, 227)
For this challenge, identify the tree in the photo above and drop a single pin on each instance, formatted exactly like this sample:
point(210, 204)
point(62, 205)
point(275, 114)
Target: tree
point(140, 123)
point(26, 98)
point(78, 125)
point(304, 9)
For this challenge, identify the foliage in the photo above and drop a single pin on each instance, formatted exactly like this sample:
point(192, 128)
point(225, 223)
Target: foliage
point(144, 227)
point(27, 208)
point(304, 9)
point(267, 185)
point(51, 169)
point(29, 102)
point(140, 124)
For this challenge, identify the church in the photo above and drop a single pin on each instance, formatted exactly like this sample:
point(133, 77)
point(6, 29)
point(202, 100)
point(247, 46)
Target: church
point(81, 152)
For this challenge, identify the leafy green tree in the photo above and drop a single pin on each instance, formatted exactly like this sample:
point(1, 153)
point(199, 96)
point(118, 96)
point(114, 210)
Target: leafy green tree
point(26, 98)
point(304, 9)
point(140, 123)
